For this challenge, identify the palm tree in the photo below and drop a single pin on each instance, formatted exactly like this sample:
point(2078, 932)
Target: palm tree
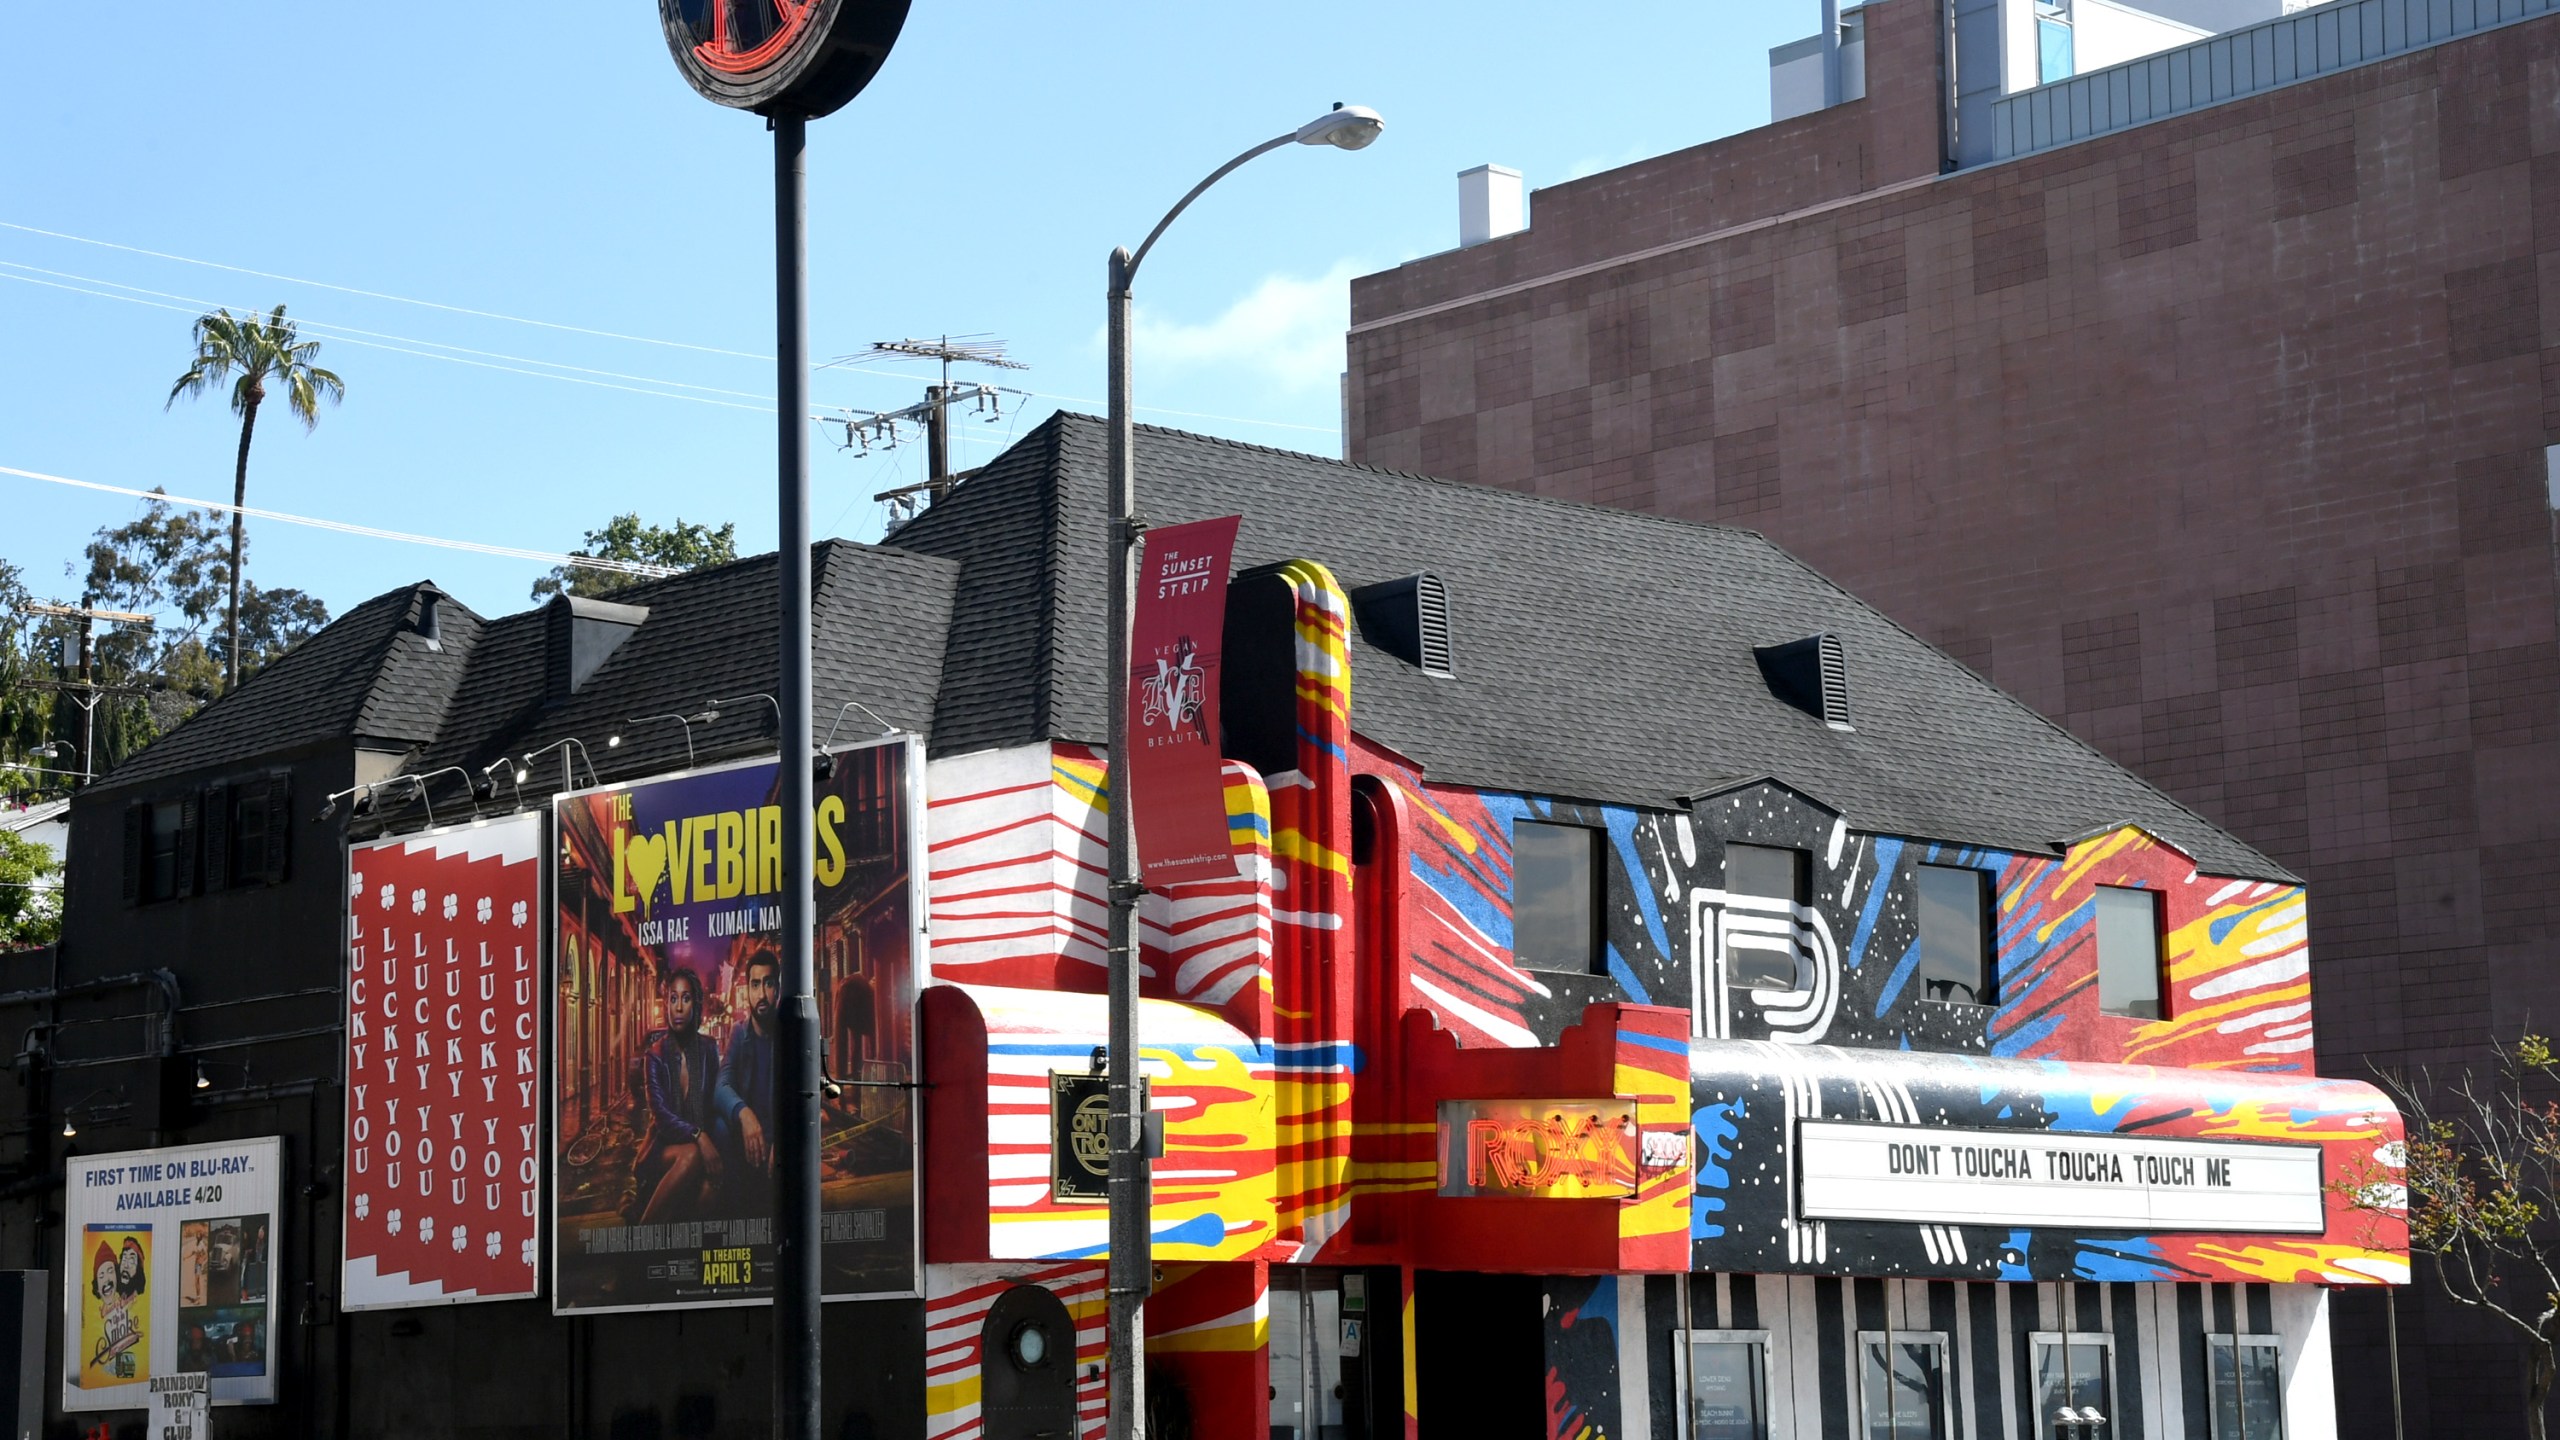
point(257, 350)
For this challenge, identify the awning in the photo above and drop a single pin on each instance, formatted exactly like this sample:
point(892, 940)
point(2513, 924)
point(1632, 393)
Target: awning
point(1839, 1161)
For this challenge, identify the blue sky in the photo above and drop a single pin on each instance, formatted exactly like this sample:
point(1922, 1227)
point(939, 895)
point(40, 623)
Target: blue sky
point(553, 167)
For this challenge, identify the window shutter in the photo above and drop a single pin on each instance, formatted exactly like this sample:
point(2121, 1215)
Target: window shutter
point(190, 831)
point(271, 863)
point(217, 837)
point(137, 851)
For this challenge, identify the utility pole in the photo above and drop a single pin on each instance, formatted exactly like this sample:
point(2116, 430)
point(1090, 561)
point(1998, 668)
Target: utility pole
point(862, 426)
point(90, 692)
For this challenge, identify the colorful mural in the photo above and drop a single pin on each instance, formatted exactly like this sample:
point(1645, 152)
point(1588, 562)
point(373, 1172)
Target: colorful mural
point(1019, 849)
point(956, 1301)
point(1213, 1188)
point(1581, 1347)
point(2237, 987)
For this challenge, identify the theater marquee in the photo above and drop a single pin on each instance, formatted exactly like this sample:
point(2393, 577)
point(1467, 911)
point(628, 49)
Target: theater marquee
point(1931, 1175)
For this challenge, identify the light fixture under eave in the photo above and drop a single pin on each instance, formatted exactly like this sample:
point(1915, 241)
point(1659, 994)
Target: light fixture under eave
point(203, 1081)
point(68, 1129)
point(1344, 127)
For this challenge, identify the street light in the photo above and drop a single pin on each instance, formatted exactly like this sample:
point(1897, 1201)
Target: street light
point(1345, 127)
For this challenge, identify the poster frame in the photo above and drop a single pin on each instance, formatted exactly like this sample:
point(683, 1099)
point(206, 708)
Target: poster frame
point(542, 876)
point(913, 796)
point(247, 1390)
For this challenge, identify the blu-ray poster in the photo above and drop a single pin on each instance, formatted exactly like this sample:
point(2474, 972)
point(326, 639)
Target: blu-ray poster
point(667, 1033)
point(170, 1263)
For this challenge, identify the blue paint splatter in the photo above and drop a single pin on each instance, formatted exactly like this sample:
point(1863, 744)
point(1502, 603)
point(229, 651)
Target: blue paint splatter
point(1717, 1126)
point(1888, 854)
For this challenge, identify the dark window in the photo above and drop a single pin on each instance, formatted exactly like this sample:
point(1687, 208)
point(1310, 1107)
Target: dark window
point(168, 830)
point(2075, 1384)
point(1766, 872)
point(1955, 960)
point(1555, 896)
point(1902, 1385)
point(2246, 1375)
point(2129, 952)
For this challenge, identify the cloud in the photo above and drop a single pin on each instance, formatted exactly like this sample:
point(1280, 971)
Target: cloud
point(1287, 332)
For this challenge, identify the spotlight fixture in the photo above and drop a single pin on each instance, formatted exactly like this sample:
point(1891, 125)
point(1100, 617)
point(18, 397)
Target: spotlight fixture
point(69, 1129)
point(203, 1081)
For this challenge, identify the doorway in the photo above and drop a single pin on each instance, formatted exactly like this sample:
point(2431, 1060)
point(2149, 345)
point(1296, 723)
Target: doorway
point(1027, 1367)
point(1331, 1332)
point(1479, 1350)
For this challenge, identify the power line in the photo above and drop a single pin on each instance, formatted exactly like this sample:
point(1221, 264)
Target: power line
point(380, 295)
point(371, 532)
point(600, 334)
point(336, 330)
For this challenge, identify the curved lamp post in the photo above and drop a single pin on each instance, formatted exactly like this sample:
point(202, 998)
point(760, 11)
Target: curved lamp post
point(1345, 127)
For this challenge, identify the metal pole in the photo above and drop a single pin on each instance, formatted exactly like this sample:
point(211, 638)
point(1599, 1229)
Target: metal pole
point(1831, 86)
point(88, 689)
point(796, 1314)
point(2391, 1302)
point(1132, 1273)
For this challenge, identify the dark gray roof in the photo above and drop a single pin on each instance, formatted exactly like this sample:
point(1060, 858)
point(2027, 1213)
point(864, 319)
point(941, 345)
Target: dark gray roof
point(1600, 654)
point(368, 674)
point(878, 638)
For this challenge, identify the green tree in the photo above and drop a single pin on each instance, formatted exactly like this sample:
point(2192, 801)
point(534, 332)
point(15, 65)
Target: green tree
point(2479, 1175)
point(680, 546)
point(250, 352)
point(30, 894)
point(171, 564)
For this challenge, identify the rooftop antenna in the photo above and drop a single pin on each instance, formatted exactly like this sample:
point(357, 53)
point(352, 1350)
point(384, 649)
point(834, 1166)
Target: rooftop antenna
point(935, 412)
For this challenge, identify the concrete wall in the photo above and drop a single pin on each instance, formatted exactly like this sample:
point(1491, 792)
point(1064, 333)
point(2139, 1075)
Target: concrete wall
point(2221, 440)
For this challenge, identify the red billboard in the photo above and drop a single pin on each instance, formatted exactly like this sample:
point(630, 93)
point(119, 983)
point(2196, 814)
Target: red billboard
point(442, 1201)
point(1177, 777)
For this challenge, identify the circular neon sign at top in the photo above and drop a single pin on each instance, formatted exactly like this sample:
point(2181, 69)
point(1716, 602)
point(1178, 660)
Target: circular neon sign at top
point(781, 57)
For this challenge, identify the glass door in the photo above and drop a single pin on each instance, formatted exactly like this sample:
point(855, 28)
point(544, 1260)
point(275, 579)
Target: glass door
point(2075, 1379)
point(1318, 1378)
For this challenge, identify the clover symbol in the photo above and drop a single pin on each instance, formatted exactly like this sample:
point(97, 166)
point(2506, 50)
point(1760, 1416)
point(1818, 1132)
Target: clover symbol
point(529, 1250)
point(394, 1222)
point(461, 1239)
point(452, 906)
point(418, 902)
point(364, 1206)
point(390, 893)
point(355, 885)
point(494, 1246)
point(427, 1227)
point(484, 909)
point(520, 915)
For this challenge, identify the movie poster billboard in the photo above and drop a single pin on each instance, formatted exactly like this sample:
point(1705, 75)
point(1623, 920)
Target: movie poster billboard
point(668, 901)
point(168, 1268)
point(442, 1201)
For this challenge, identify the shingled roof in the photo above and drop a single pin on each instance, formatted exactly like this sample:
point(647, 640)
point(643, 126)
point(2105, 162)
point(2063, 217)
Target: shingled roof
point(368, 674)
point(1599, 654)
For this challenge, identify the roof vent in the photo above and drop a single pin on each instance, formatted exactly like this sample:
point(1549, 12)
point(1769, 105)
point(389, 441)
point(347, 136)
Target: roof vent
point(1811, 674)
point(1409, 619)
point(428, 627)
point(584, 634)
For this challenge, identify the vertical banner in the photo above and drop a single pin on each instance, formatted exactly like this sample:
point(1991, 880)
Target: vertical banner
point(442, 1200)
point(168, 1268)
point(668, 902)
point(1177, 777)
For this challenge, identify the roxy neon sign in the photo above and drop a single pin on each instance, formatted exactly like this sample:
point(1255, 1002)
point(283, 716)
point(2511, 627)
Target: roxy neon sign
point(1544, 1149)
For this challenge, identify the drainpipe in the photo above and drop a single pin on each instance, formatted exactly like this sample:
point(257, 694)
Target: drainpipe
point(1830, 53)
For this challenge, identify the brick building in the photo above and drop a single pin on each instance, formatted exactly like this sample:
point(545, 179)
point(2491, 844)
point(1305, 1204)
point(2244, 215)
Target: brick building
point(2209, 415)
